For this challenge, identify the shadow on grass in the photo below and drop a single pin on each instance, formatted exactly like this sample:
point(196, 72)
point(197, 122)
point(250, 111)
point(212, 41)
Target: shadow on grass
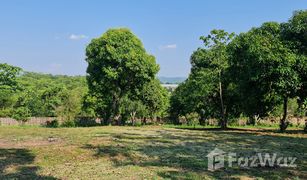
point(289, 131)
point(17, 164)
point(185, 151)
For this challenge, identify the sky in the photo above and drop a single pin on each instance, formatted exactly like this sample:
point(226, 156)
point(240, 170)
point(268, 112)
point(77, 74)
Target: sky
point(50, 36)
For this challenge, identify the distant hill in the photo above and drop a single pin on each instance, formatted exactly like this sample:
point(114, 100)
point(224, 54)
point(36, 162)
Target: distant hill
point(171, 80)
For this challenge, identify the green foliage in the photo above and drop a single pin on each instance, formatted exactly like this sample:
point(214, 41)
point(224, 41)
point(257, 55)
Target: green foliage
point(7, 100)
point(203, 92)
point(151, 102)
point(90, 105)
point(132, 110)
point(260, 73)
point(21, 114)
point(8, 88)
point(118, 65)
point(21, 111)
point(86, 122)
point(256, 74)
point(44, 95)
point(70, 105)
point(155, 98)
point(68, 123)
point(181, 102)
point(8, 77)
point(294, 31)
point(192, 119)
point(264, 69)
point(294, 34)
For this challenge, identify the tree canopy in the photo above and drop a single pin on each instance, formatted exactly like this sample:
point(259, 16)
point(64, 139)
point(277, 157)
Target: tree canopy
point(118, 65)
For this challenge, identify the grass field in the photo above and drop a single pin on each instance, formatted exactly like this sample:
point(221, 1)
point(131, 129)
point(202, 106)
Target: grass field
point(149, 152)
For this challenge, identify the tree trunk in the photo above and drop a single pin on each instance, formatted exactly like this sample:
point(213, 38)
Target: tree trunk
point(144, 121)
point(223, 119)
point(132, 115)
point(106, 118)
point(202, 121)
point(283, 124)
point(202, 118)
point(251, 120)
point(115, 110)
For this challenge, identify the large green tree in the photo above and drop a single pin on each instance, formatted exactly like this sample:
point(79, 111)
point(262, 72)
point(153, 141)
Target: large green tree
point(264, 69)
point(8, 87)
point(205, 90)
point(155, 98)
point(195, 95)
point(294, 34)
point(212, 61)
point(118, 65)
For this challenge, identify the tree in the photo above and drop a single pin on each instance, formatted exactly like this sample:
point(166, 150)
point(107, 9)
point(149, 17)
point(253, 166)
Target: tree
point(89, 105)
point(178, 103)
point(8, 76)
point(155, 98)
point(47, 92)
point(22, 114)
point(131, 110)
point(294, 32)
point(294, 35)
point(8, 87)
point(70, 105)
point(117, 65)
point(264, 69)
point(212, 60)
point(51, 100)
point(204, 91)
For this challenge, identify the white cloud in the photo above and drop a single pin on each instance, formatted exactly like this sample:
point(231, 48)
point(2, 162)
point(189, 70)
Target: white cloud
point(77, 37)
point(168, 46)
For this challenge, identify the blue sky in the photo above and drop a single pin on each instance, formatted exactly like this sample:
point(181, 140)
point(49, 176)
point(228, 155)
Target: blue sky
point(50, 36)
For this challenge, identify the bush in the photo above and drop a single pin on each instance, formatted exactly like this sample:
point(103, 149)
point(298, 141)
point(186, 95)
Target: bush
point(192, 119)
point(138, 124)
point(86, 122)
point(235, 121)
point(52, 124)
point(21, 114)
point(69, 123)
point(6, 113)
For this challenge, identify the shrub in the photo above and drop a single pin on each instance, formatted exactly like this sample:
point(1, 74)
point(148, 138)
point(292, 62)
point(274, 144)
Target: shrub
point(52, 124)
point(86, 122)
point(21, 114)
point(69, 123)
point(192, 119)
point(6, 113)
point(138, 124)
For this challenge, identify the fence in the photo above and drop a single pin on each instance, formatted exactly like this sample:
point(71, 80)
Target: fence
point(32, 121)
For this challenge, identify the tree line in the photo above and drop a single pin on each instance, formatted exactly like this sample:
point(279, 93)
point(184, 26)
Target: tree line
point(253, 74)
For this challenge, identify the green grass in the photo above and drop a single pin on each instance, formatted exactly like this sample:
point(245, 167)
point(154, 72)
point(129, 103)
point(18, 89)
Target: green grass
point(149, 152)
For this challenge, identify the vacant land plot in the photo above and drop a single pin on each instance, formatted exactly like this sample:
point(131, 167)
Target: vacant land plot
point(141, 153)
